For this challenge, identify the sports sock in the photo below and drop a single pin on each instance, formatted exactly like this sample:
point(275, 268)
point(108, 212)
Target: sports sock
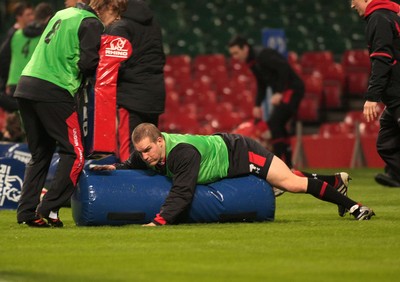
point(322, 190)
point(330, 179)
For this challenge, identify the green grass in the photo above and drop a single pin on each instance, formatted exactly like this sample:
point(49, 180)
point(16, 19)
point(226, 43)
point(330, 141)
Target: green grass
point(307, 242)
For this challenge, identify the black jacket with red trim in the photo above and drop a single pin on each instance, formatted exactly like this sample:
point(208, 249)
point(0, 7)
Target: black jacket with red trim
point(271, 69)
point(141, 78)
point(383, 38)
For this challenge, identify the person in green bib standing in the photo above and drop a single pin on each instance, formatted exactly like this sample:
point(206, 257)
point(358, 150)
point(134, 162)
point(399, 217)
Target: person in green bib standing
point(21, 47)
point(66, 53)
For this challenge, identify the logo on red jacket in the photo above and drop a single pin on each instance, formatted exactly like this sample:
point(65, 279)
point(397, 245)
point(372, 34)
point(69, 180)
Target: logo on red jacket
point(117, 48)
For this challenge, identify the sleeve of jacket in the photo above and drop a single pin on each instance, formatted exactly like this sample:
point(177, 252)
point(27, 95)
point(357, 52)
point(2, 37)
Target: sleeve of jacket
point(184, 163)
point(380, 37)
point(133, 162)
point(89, 35)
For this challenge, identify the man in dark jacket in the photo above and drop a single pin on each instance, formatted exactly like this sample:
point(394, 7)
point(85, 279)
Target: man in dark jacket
point(383, 39)
point(141, 89)
point(271, 69)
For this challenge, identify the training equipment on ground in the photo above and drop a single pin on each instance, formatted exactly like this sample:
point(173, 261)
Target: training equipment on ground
point(135, 196)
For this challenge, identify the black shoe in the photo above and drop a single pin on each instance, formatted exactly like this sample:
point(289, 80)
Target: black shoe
point(386, 180)
point(36, 223)
point(55, 222)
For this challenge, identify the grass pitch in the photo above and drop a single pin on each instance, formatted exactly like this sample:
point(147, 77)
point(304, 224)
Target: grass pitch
point(308, 241)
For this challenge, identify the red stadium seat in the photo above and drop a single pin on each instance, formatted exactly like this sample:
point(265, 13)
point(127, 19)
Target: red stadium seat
point(179, 67)
point(308, 110)
point(333, 94)
point(213, 65)
point(172, 103)
point(311, 60)
point(313, 86)
point(333, 85)
point(169, 83)
point(328, 130)
point(357, 68)
point(369, 132)
point(237, 68)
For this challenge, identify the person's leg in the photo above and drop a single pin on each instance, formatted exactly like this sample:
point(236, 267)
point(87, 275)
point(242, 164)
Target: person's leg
point(339, 181)
point(63, 126)
point(280, 141)
point(127, 122)
point(388, 146)
point(42, 147)
point(280, 176)
point(124, 137)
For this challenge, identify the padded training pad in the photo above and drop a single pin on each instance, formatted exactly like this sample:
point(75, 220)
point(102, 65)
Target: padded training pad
point(11, 178)
point(136, 196)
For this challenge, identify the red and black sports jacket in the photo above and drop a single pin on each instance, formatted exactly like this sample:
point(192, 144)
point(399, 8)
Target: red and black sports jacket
point(383, 38)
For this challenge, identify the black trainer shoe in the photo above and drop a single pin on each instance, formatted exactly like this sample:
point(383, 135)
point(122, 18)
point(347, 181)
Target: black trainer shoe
point(55, 222)
point(361, 212)
point(342, 186)
point(386, 180)
point(36, 223)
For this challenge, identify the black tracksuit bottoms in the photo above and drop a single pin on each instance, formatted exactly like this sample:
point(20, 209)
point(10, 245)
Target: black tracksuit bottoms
point(388, 142)
point(47, 125)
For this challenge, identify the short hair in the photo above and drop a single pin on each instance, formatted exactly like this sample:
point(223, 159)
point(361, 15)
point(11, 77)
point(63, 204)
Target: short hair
point(43, 12)
point(144, 130)
point(238, 40)
point(118, 6)
point(20, 7)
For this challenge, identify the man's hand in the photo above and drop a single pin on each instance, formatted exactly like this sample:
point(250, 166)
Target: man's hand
point(276, 98)
point(149, 224)
point(370, 110)
point(102, 167)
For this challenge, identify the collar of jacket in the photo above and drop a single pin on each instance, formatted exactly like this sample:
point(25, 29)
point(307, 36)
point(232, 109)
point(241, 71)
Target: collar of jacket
point(381, 4)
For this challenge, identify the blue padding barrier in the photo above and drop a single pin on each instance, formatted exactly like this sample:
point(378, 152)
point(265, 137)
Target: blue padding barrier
point(135, 196)
point(4, 147)
point(11, 178)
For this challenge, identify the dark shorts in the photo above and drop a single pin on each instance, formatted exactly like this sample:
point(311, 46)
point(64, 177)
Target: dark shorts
point(247, 156)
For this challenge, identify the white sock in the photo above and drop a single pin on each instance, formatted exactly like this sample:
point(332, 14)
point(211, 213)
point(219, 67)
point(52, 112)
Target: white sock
point(53, 215)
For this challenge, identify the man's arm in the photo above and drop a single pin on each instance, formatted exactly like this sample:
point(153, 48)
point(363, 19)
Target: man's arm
point(89, 44)
point(134, 162)
point(184, 163)
point(380, 37)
